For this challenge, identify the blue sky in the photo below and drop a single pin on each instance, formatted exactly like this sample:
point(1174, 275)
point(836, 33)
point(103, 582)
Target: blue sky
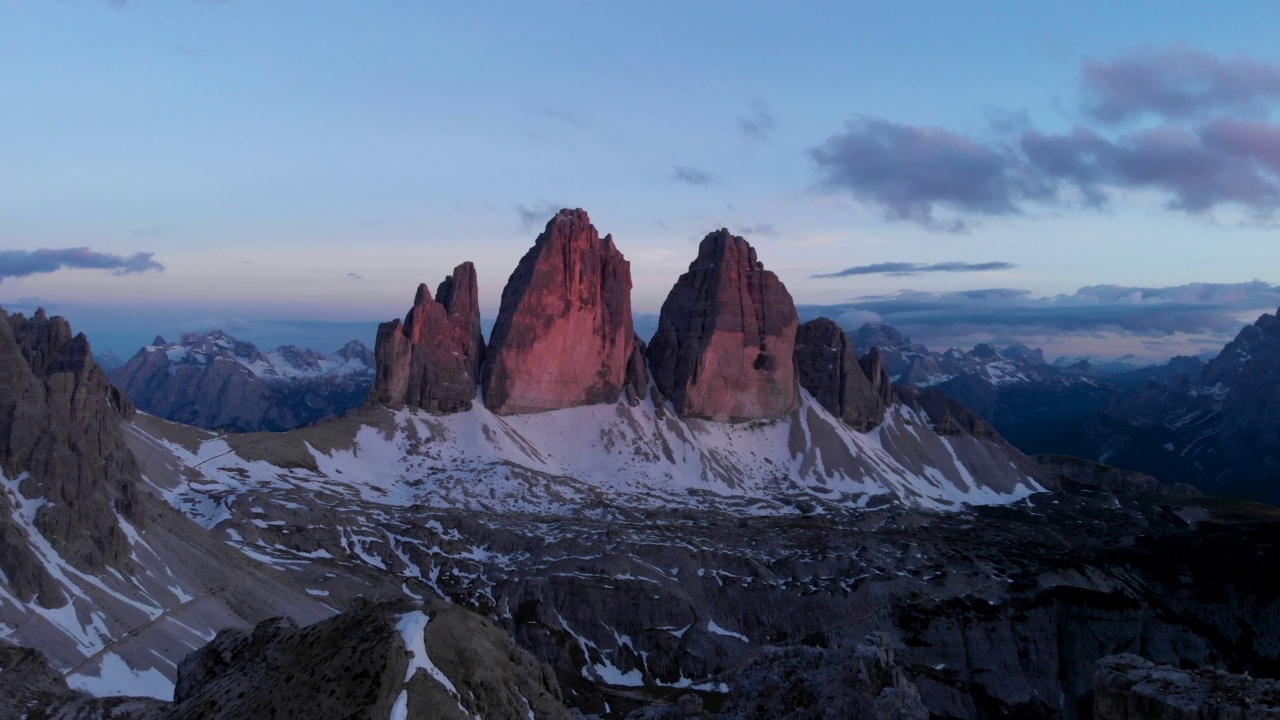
point(1051, 171)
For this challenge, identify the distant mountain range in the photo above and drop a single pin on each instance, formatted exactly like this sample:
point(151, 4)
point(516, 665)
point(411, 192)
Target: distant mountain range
point(217, 382)
point(1214, 425)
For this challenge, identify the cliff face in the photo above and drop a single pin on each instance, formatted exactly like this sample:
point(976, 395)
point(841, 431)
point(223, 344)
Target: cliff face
point(62, 455)
point(563, 337)
point(432, 360)
point(726, 337)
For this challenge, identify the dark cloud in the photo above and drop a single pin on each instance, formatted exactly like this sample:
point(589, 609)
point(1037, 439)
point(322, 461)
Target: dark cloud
point(1200, 159)
point(909, 268)
point(536, 216)
point(1225, 161)
point(759, 123)
point(1213, 308)
point(691, 175)
point(1177, 83)
point(21, 263)
point(909, 171)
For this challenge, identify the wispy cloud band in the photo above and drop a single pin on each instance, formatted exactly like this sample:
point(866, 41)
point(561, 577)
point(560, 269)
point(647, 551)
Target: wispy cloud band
point(23, 263)
point(909, 268)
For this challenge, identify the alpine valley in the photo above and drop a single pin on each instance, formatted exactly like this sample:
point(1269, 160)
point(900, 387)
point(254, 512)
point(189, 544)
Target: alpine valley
point(739, 517)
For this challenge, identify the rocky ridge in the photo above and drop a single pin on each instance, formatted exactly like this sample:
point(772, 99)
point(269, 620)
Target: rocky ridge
point(58, 436)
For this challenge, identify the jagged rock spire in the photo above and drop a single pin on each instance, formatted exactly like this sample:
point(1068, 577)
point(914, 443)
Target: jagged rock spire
point(432, 360)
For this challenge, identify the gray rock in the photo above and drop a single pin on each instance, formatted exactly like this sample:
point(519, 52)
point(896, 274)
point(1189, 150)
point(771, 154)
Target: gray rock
point(1127, 687)
point(828, 368)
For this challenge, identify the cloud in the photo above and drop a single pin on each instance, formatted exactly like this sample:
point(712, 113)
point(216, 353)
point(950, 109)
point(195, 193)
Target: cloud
point(559, 114)
point(759, 123)
point(1176, 83)
point(153, 231)
point(909, 171)
point(533, 217)
point(1197, 159)
point(908, 268)
point(760, 228)
point(691, 175)
point(1226, 161)
point(1212, 308)
point(21, 263)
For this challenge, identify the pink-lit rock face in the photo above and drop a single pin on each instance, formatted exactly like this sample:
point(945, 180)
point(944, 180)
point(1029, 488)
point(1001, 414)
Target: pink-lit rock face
point(726, 337)
point(432, 360)
point(563, 336)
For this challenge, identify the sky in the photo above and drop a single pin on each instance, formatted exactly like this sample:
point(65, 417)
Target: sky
point(1090, 178)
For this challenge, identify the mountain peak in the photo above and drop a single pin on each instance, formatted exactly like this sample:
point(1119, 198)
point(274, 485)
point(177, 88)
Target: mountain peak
point(726, 337)
point(432, 359)
point(564, 335)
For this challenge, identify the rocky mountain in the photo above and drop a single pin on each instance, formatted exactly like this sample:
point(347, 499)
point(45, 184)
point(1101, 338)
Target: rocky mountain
point(218, 382)
point(726, 337)
point(563, 337)
point(432, 360)
point(617, 558)
point(1218, 430)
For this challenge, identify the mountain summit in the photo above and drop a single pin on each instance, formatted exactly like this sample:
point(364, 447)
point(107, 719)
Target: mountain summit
point(726, 336)
point(563, 337)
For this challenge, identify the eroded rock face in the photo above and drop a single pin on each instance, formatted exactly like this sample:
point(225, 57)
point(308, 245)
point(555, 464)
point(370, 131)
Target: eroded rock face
point(432, 360)
point(60, 434)
point(827, 367)
point(563, 337)
point(873, 367)
point(726, 337)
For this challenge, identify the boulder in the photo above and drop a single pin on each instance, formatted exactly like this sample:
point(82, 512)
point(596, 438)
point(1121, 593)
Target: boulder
point(563, 337)
point(725, 344)
point(432, 360)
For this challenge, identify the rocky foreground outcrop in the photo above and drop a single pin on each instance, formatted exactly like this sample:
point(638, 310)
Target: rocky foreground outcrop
point(726, 337)
point(828, 368)
point(563, 337)
point(1127, 687)
point(432, 360)
point(397, 660)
